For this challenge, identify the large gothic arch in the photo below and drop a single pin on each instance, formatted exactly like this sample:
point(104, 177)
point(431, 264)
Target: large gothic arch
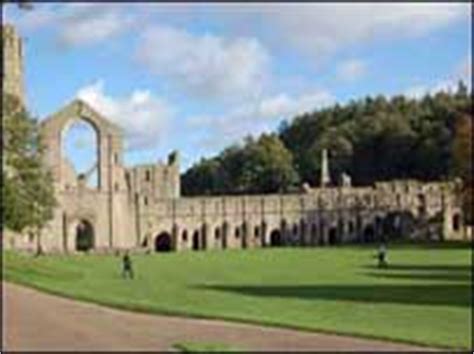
point(109, 142)
point(106, 203)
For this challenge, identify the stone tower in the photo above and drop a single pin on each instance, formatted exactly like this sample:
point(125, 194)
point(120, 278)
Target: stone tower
point(325, 178)
point(12, 70)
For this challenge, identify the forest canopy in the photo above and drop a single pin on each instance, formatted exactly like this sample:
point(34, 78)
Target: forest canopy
point(371, 139)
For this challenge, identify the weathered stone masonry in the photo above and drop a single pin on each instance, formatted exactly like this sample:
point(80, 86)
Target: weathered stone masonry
point(141, 207)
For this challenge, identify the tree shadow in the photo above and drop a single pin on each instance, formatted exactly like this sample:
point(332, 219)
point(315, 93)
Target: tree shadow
point(442, 276)
point(428, 245)
point(458, 295)
point(426, 267)
point(446, 293)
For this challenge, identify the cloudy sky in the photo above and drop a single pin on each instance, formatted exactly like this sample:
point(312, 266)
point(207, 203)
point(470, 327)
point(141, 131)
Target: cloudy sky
point(198, 77)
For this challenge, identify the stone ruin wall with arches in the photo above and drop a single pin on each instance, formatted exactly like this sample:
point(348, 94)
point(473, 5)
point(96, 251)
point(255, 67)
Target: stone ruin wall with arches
point(319, 217)
point(141, 207)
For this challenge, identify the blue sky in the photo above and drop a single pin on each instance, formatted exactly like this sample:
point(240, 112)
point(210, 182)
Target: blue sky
point(198, 77)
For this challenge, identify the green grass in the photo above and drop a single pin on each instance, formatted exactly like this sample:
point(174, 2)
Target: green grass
point(196, 347)
point(424, 297)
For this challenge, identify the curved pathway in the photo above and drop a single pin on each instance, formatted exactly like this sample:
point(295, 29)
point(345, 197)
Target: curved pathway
point(34, 321)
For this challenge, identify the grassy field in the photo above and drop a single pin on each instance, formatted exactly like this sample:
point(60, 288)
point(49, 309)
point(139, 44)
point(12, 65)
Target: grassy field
point(424, 296)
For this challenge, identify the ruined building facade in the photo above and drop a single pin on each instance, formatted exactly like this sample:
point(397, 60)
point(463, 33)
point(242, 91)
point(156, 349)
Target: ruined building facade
point(141, 207)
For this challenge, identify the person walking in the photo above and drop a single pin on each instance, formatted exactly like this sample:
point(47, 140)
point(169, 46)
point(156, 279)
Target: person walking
point(382, 256)
point(127, 266)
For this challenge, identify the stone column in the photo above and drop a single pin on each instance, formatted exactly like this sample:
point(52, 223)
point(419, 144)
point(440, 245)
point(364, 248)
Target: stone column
point(325, 178)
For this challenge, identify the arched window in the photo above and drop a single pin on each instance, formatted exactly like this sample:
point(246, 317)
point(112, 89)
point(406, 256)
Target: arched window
point(163, 242)
point(456, 222)
point(80, 153)
point(351, 226)
point(196, 244)
point(84, 236)
point(276, 238)
point(314, 231)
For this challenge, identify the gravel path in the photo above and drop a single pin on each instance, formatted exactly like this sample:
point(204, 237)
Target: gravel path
point(34, 321)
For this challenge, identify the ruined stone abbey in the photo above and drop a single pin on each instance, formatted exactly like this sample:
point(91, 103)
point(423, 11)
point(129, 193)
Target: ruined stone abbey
point(141, 207)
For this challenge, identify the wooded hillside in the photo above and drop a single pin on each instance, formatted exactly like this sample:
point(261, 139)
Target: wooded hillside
point(371, 139)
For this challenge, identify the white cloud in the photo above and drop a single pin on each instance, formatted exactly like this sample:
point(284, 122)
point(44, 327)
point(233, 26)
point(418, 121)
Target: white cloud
point(351, 70)
point(92, 25)
point(461, 72)
point(41, 16)
point(418, 91)
point(317, 29)
point(256, 118)
point(283, 106)
point(448, 86)
point(206, 66)
point(321, 29)
point(143, 116)
point(77, 23)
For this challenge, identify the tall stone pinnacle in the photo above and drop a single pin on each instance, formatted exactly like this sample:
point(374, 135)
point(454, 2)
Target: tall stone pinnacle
point(12, 63)
point(325, 178)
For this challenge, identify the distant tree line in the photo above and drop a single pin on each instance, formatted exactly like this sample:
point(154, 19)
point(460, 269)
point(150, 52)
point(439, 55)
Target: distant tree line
point(262, 165)
point(374, 138)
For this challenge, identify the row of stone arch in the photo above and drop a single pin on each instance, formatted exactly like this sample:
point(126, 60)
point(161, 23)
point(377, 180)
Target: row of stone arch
point(163, 242)
point(285, 234)
point(300, 233)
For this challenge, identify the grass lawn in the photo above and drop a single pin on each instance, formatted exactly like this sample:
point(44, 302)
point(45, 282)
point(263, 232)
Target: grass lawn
point(424, 297)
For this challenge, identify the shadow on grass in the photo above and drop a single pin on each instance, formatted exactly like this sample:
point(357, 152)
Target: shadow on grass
point(443, 294)
point(420, 244)
point(440, 276)
point(426, 267)
point(430, 294)
point(435, 272)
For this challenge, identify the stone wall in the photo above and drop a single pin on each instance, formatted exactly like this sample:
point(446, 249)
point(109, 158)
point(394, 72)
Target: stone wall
point(321, 216)
point(12, 73)
point(156, 181)
point(140, 207)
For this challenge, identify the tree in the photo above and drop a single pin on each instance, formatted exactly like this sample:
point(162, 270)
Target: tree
point(269, 166)
point(372, 139)
point(202, 178)
point(264, 165)
point(28, 195)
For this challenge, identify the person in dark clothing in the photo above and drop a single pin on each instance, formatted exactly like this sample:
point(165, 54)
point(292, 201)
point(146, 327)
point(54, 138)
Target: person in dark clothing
point(382, 255)
point(127, 266)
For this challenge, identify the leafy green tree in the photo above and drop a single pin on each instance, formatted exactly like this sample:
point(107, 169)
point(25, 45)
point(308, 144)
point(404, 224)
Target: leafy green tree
point(269, 166)
point(28, 195)
point(264, 165)
point(202, 178)
point(373, 138)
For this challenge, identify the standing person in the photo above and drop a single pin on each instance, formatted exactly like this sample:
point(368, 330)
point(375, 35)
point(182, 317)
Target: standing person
point(382, 255)
point(127, 266)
